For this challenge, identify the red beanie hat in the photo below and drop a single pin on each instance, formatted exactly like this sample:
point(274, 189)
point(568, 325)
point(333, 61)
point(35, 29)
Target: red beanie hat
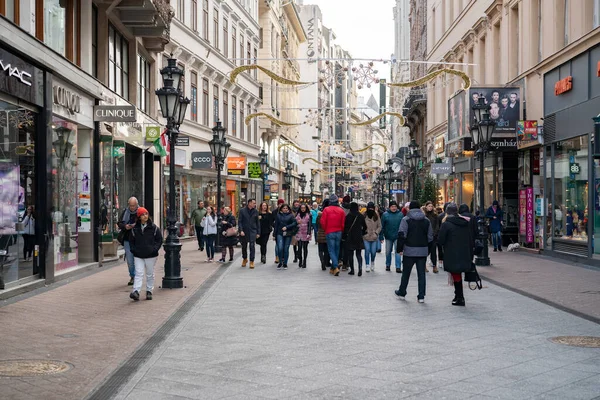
point(280, 201)
point(140, 211)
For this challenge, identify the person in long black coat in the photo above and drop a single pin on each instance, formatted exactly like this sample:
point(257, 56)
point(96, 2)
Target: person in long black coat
point(227, 221)
point(355, 228)
point(455, 237)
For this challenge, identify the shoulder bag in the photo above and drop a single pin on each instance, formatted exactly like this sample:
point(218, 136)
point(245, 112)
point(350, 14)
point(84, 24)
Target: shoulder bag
point(472, 276)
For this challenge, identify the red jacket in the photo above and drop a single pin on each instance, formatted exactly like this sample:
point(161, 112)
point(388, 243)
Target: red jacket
point(333, 219)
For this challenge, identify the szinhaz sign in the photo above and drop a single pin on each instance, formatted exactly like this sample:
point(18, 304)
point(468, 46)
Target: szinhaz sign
point(254, 171)
point(114, 114)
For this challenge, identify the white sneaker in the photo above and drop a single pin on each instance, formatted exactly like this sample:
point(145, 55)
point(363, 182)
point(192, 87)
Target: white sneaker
point(373, 268)
point(368, 269)
point(421, 300)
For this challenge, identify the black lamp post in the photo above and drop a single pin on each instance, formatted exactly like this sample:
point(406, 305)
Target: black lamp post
point(389, 173)
point(173, 107)
point(302, 183)
point(288, 180)
point(264, 169)
point(376, 190)
point(311, 185)
point(482, 129)
point(219, 148)
point(413, 162)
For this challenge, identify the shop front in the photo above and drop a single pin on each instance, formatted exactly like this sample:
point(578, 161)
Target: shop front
point(572, 173)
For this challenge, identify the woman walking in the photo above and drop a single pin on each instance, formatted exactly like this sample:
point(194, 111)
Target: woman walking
point(227, 241)
point(28, 233)
point(371, 237)
point(435, 225)
point(322, 240)
point(354, 229)
point(285, 228)
point(265, 221)
point(303, 218)
point(210, 232)
point(455, 236)
point(145, 241)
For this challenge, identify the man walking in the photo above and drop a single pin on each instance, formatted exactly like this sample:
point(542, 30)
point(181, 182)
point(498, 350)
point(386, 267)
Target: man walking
point(390, 224)
point(126, 224)
point(333, 220)
point(275, 212)
point(314, 213)
point(249, 230)
point(414, 238)
point(197, 217)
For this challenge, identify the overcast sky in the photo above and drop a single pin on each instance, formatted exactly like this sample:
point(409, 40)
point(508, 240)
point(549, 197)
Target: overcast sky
point(365, 28)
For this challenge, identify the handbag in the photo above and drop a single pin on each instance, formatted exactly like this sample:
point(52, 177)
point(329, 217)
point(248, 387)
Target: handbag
point(121, 237)
point(231, 231)
point(345, 235)
point(472, 276)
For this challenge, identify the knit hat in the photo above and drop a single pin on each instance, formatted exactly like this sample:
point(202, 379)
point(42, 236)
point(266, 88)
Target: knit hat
point(414, 204)
point(393, 203)
point(371, 206)
point(333, 199)
point(140, 211)
point(280, 202)
point(346, 199)
point(495, 203)
point(452, 209)
point(463, 208)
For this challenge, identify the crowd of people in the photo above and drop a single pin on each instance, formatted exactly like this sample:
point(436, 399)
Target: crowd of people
point(410, 233)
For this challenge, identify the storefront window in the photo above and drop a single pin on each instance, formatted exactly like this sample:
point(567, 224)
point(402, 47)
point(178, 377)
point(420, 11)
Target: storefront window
point(17, 192)
point(571, 176)
point(64, 192)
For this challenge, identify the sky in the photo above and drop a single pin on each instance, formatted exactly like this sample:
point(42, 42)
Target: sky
point(365, 28)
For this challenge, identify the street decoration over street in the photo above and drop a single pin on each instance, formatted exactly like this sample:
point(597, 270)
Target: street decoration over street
point(433, 75)
point(270, 117)
point(282, 145)
point(370, 146)
point(365, 75)
point(377, 118)
point(236, 71)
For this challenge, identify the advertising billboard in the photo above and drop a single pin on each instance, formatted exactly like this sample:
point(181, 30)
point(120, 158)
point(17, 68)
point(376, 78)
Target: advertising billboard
point(457, 116)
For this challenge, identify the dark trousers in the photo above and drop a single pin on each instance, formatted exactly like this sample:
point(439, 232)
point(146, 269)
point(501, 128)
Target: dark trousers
point(296, 251)
point(407, 266)
point(433, 253)
point(29, 242)
point(349, 260)
point(440, 251)
point(262, 241)
point(324, 255)
point(302, 251)
point(200, 237)
point(210, 245)
point(342, 254)
point(245, 241)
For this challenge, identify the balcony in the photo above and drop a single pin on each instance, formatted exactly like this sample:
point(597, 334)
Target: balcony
point(148, 19)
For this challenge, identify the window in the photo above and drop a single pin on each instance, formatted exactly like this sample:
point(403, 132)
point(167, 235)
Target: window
point(205, 20)
point(225, 108)
point(596, 13)
point(260, 37)
point(195, 15)
point(539, 30)
point(241, 120)
point(118, 63)
point(255, 123)
point(216, 28)
point(94, 41)
point(215, 103)
point(241, 49)
point(249, 126)
point(181, 10)
point(205, 101)
point(194, 95)
point(225, 37)
point(255, 62)
point(143, 83)
point(57, 23)
point(10, 9)
point(182, 80)
point(233, 45)
point(233, 116)
point(567, 16)
point(248, 56)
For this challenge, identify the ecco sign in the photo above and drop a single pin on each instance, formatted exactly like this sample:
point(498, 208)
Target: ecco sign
point(22, 76)
point(202, 160)
point(114, 114)
point(67, 99)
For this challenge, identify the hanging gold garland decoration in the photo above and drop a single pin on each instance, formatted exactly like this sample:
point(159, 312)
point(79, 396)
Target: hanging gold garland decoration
point(372, 159)
point(369, 146)
point(270, 74)
point(377, 118)
point(433, 75)
point(282, 145)
point(270, 117)
point(311, 159)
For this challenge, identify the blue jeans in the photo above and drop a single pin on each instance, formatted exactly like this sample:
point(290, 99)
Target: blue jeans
point(283, 248)
point(129, 258)
point(497, 239)
point(408, 265)
point(316, 229)
point(334, 240)
point(390, 245)
point(210, 245)
point(370, 250)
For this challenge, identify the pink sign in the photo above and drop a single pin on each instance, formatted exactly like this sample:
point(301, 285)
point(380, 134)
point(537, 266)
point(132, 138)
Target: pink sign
point(522, 212)
point(530, 222)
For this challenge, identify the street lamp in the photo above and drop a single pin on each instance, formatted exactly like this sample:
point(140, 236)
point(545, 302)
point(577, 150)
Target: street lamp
point(264, 169)
point(389, 173)
point(173, 107)
point(288, 180)
point(312, 185)
point(375, 190)
point(482, 129)
point(219, 148)
point(413, 162)
point(302, 182)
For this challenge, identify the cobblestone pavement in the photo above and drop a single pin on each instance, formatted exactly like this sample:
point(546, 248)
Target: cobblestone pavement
point(89, 323)
point(304, 334)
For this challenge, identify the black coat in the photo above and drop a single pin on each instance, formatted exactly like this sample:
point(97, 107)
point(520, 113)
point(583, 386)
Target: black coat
point(145, 244)
point(285, 220)
point(266, 223)
point(248, 223)
point(472, 226)
point(455, 237)
point(229, 222)
point(355, 227)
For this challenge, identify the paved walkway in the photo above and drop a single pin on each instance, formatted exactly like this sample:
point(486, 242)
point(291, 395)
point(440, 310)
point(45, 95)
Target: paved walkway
point(90, 323)
point(304, 334)
point(570, 287)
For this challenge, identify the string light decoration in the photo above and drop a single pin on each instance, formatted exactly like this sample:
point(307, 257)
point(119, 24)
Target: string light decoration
point(330, 77)
point(371, 146)
point(236, 71)
point(433, 75)
point(377, 118)
point(269, 117)
point(365, 75)
point(286, 144)
point(313, 118)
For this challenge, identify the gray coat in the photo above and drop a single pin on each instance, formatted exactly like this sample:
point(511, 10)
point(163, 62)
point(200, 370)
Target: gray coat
point(248, 223)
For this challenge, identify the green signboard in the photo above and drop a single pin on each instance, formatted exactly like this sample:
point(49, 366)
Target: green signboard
point(152, 133)
point(254, 171)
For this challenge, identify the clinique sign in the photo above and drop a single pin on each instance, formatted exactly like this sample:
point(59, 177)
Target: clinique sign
point(67, 99)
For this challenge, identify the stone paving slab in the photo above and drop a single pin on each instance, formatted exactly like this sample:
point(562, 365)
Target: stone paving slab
point(90, 323)
point(304, 334)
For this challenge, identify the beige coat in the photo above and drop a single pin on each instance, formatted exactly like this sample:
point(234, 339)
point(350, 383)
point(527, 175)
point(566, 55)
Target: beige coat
point(373, 229)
